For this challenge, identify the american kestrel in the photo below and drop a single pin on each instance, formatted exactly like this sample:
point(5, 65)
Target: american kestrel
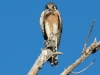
point(51, 26)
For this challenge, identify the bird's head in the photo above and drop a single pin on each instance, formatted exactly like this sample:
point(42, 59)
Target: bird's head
point(50, 7)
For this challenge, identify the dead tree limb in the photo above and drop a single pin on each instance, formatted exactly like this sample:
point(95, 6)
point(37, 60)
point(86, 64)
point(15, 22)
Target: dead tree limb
point(87, 38)
point(44, 56)
point(84, 68)
point(90, 50)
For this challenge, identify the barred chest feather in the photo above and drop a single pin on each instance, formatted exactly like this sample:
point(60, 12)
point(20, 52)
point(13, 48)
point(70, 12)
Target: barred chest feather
point(51, 24)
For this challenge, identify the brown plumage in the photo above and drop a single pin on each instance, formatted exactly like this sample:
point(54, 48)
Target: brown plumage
point(51, 25)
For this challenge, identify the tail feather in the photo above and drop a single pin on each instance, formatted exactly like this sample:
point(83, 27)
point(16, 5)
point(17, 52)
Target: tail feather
point(53, 61)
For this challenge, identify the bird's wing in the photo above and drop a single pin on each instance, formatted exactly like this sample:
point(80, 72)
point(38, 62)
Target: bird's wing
point(42, 25)
point(59, 29)
point(60, 23)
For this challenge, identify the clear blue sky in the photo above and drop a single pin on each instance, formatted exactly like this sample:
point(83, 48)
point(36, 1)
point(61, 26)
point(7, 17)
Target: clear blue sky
point(21, 38)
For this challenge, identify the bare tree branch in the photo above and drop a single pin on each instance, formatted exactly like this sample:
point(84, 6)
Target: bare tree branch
point(85, 54)
point(86, 42)
point(44, 56)
point(91, 49)
point(84, 68)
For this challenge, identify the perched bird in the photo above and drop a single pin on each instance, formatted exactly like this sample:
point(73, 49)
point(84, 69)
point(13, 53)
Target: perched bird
point(51, 26)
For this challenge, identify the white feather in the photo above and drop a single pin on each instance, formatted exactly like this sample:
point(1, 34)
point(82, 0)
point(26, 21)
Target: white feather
point(55, 28)
point(47, 28)
point(41, 22)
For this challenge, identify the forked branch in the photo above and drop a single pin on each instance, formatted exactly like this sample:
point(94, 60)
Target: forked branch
point(85, 53)
point(44, 56)
point(94, 47)
point(87, 38)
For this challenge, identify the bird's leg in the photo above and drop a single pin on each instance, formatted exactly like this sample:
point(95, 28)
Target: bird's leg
point(54, 38)
point(56, 56)
point(46, 43)
point(49, 44)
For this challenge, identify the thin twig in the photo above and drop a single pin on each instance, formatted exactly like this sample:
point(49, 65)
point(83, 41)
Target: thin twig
point(84, 68)
point(86, 42)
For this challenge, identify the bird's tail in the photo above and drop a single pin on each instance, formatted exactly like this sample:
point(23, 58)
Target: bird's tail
point(54, 60)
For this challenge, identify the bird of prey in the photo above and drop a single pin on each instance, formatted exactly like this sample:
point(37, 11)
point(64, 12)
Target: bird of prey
point(51, 26)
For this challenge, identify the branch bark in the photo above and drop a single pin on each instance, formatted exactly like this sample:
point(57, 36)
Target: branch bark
point(90, 50)
point(44, 56)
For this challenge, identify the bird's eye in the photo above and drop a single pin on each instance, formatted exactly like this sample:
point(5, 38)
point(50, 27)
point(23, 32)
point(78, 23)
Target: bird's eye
point(53, 6)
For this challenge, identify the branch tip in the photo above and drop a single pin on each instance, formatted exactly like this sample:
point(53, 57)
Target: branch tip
point(84, 68)
point(94, 60)
point(58, 53)
point(94, 20)
point(95, 40)
point(87, 38)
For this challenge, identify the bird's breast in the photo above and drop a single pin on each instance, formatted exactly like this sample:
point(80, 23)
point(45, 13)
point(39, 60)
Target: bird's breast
point(52, 20)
